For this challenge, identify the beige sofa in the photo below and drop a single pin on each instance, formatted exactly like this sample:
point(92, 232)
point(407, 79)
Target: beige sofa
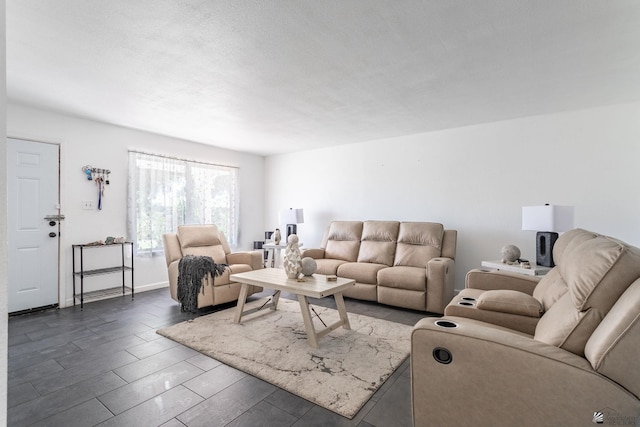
point(404, 264)
point(207, 240)
point(562, 351)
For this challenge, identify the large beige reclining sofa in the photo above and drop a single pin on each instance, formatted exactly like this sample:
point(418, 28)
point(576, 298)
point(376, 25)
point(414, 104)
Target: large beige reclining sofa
point(562, 351)
point(404, 264)
point(207, 240)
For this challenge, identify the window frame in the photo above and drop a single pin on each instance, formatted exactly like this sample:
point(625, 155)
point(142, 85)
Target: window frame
point(184, 196)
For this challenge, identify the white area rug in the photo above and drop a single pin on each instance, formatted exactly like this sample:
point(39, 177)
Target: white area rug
point(341, 375)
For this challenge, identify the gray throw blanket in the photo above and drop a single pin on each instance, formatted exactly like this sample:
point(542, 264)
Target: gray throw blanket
point(191, 270)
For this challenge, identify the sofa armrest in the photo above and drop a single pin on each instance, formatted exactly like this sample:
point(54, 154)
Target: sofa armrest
point(312, 253)
point(508, 301)
point(493, 280)
point(440, 283)
point(172, 272)
point(504, 378)
point(252, 258)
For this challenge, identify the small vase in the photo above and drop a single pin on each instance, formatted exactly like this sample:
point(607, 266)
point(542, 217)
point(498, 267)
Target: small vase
point(277, 237)
point(292, 258)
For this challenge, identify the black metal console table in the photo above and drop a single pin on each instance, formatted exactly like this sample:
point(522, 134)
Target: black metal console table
point(82, 273)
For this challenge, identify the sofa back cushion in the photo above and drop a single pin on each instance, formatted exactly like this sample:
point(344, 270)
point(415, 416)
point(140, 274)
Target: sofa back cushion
point(343, 240)
point(596, 270)
point(418, 242)
point(378, 243)
point(573, 237)
point(202, 240)
point(552, 286)
point(550, 289)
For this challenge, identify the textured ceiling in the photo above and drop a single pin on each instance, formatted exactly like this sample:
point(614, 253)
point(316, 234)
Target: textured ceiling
point(277, 76)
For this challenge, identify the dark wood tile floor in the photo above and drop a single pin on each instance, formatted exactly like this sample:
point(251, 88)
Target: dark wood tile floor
point(107, 366)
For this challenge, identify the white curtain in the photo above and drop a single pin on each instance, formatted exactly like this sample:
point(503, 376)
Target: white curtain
point(165, 192)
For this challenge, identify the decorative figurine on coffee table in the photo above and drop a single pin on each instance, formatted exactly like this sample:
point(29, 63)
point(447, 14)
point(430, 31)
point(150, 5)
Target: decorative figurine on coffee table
point(309, 266)
point(292, 258)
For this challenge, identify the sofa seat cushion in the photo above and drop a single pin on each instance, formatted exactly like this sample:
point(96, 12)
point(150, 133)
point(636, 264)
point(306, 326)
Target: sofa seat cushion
point(509, 301)
point(328, 266)
point(233, 269)
point(223, 279)
point(403, 277)
point(361, 272)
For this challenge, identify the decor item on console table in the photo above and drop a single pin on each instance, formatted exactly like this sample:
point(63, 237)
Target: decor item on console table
point(274, 253)
point(277, 236)
point(291, 217)
point(510, 254)
point(548, 221)
point(404, 264)
point(292, 258)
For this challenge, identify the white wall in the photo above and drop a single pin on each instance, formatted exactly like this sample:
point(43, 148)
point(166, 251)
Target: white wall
point(105, 146)
point(474, 179)
point(4, 334)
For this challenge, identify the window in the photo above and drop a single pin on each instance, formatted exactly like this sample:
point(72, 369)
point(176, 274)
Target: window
point(165, 192)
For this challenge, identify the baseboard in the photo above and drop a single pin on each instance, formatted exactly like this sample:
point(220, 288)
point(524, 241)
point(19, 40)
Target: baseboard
point(152, 286)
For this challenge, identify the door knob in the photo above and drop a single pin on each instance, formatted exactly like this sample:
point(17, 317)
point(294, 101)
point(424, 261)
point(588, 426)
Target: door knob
point(52, 234)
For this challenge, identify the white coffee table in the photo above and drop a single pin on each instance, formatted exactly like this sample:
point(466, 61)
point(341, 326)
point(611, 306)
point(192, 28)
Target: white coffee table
point(316, 286)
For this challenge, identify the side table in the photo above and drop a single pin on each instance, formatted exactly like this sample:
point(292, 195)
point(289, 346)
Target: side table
point(274, 253)
point(535, 270)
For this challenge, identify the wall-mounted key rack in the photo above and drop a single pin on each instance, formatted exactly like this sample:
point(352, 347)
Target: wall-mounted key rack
point(101, 178)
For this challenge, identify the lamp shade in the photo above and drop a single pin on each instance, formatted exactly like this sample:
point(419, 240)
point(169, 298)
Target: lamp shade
point(547, 218)
point(291, 216)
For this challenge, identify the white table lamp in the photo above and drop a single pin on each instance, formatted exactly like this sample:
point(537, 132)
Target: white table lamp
point(548, 221)
point(291, 217)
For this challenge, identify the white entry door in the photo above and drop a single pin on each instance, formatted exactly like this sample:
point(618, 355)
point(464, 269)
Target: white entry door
point(33, 188)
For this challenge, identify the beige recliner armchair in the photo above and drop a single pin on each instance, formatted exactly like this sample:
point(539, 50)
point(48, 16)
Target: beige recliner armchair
point(207, 240)
point(580, 363)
